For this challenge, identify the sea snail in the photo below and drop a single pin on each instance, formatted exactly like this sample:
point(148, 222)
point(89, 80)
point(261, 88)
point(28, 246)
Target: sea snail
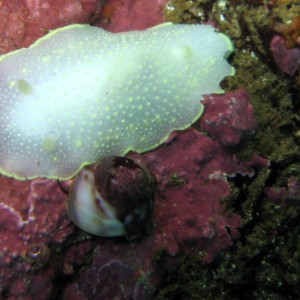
point(112, 197)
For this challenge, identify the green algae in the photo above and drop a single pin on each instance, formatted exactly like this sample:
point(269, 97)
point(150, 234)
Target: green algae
point(264, 263)
point(273, 107)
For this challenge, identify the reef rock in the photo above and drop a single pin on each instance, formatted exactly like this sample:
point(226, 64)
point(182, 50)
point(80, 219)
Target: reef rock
point(228, 118)
point(120, 15)
point(190, 171)
point(22, 22)
point(285, 196)
point(32, 220)
point(287, 60)
point(43, 255)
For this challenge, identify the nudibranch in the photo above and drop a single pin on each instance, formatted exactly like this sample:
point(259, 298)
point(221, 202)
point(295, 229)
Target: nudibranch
point(112, 197)
point(81, 93)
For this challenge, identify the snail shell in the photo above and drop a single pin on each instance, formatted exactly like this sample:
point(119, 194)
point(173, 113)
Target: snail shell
point(113, 197)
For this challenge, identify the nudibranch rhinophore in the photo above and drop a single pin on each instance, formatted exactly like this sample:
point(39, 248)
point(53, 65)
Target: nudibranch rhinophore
point(81, 93)
point(112, 197)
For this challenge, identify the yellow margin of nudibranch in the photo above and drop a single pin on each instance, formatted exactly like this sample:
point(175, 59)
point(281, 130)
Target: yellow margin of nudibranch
point(44, 38)
point(229, 51)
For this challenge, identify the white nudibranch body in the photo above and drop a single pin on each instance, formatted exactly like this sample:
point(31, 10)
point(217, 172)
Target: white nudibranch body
point(81, 93)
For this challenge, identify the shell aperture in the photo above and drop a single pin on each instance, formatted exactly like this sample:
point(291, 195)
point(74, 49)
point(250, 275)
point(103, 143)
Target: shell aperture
point(113, 197)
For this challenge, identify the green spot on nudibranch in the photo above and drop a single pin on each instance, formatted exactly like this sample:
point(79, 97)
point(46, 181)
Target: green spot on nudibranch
point(49, 141)
point(81, 93)
point(24, 87)
point(79, 144)
point(12, 84)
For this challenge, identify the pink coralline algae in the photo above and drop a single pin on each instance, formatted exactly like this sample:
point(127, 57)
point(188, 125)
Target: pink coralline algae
point(33, 216)
point(43, 255)
point(287, 60)
point(227, 118)
point(124, 15)
point(191, 172)
point(286, 196)
point(22, 22)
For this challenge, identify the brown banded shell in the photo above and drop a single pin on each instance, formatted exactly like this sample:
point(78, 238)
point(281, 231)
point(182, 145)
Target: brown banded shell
point(113, 197)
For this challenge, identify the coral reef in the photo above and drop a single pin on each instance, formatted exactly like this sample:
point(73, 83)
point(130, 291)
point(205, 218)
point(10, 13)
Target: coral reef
point(287, 60)
point(286, 196)
point(227, 118)
point(189, 217)
point(33, 219)
point(264, 262)
point(22, 22)
point(120, 15)
point(216, 233)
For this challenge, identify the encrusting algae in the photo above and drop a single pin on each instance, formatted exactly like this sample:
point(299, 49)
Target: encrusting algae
point(264, 262)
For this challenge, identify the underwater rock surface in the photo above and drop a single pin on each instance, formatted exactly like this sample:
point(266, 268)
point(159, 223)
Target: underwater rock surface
point(266, 255)
point(22, 22)
point(190, 170)
point(120, 15)
point(32, 218)
point(287, 60)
